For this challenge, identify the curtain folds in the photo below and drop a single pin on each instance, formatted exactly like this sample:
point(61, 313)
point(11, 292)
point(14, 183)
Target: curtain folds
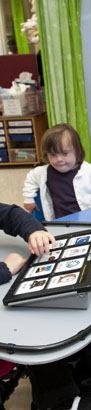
point(61, 51)
point(18, 17)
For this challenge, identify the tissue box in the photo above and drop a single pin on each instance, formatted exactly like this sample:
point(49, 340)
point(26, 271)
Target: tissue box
point(15, 105)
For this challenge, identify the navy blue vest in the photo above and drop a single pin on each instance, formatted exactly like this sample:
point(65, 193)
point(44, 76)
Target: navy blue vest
point(61, 189)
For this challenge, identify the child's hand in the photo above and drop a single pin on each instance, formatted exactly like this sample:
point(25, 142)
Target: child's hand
point(38, 242)
point(31, 207)
point(14, 261)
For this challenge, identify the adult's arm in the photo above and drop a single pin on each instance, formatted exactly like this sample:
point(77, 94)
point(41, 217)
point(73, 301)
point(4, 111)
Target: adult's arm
point(14, 220)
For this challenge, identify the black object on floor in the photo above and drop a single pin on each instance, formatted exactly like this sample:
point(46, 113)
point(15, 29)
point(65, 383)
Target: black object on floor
point(85, 403)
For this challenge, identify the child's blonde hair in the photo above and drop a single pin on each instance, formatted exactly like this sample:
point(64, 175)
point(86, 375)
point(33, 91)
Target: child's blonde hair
point(52, 141)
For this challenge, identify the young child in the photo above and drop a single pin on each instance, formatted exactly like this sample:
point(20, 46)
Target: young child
point(65, 181)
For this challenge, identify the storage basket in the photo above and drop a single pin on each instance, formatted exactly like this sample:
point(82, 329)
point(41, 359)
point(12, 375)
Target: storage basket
point(23, 154)
point(35, 100)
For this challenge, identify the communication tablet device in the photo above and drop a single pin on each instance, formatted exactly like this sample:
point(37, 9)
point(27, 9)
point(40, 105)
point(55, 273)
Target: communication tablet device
point(60, 279)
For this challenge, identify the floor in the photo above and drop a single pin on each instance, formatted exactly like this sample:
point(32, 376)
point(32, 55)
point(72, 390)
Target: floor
point(21, 398)
point(11, 183)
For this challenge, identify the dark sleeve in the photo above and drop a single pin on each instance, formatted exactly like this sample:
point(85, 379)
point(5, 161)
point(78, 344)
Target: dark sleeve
point(5, 274)
point(16, 221)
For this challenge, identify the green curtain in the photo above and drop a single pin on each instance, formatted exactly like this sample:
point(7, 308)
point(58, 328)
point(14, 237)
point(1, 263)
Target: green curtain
point(61, 51)
point(18, 17)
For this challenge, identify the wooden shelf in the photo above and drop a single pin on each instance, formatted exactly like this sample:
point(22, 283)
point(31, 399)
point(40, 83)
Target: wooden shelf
point(12, 148)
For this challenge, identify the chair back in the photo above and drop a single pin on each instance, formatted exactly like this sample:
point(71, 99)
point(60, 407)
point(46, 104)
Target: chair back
point(38, 214)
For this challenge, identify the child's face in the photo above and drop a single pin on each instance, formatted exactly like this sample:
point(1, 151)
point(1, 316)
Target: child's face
point(66, 159)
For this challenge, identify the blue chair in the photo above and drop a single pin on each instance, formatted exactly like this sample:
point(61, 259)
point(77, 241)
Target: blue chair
point(38, 214)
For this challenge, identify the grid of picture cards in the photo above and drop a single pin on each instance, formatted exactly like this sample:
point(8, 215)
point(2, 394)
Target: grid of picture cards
point(64, 269)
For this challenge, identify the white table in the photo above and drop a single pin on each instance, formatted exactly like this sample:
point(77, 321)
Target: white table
point(38, 328)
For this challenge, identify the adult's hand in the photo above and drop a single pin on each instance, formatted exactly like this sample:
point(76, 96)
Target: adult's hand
point(39, 242)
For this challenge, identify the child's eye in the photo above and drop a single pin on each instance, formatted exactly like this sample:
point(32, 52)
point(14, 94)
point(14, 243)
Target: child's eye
point(65, 153)
point(52, 154)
